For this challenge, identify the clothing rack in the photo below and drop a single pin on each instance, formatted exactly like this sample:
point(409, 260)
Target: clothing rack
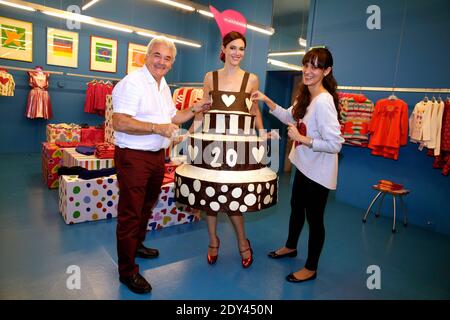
point(61, 73)
point(92, 76)
point(28, 69)
point(387, 89)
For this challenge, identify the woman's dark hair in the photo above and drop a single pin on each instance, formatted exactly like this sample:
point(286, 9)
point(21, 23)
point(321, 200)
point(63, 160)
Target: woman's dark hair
point(230, 36)
point(319, 58)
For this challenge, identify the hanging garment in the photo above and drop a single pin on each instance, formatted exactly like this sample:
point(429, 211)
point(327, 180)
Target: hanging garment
point(356, 113)
point(90, 96)
point(389, 128)
point(185, 97)
point(420, 122)
point(96, 97)
point(445, 131)
point(38, 104)
point(7, 84)
point(436, 127)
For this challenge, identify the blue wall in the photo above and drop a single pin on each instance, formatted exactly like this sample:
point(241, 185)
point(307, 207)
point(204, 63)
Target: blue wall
point(366, 57)
point(20, 134)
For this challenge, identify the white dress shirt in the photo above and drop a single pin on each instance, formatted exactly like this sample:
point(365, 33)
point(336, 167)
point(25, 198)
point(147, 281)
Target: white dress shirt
point(138, 96)
point(319, 163)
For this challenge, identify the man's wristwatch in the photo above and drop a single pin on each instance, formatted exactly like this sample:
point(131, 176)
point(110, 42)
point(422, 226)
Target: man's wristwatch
point(311, 143)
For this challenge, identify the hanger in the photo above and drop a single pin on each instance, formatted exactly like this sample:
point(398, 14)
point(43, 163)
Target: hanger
point(39, 69)
point(439, 99)
point(392, 96)
point(425, 99)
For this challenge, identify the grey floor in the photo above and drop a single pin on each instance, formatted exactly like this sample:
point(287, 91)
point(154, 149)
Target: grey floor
point(37, 247)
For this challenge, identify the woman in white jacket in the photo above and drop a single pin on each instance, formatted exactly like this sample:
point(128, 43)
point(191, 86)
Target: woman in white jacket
point(314, 127)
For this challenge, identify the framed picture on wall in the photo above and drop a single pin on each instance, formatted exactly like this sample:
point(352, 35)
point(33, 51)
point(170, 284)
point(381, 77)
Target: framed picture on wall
point(103, 54)
point(136, 56)
point(62, 48)
point(16, 41)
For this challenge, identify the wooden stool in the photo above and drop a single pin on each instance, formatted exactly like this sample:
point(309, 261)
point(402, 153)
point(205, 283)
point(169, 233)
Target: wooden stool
point(394, 193)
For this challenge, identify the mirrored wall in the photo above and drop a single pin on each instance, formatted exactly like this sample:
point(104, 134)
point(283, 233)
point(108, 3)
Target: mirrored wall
point(287, 45)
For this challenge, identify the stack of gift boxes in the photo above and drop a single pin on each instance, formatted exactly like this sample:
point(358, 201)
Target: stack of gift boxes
point(83, 200)
point(59, 137)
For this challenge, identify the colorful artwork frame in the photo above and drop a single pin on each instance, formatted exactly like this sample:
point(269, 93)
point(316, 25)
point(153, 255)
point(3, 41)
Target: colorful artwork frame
point(103, 54)
point(136, 56)
point(16, 42)
point(62, 48)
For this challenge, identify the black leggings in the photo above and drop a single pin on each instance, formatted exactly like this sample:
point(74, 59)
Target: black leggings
point(308, 198)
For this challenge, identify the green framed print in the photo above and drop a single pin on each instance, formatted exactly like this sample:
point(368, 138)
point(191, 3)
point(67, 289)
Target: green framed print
point(103, 54)
point(16, 41)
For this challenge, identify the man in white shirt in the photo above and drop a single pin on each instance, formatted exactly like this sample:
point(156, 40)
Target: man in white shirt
point(144, 120)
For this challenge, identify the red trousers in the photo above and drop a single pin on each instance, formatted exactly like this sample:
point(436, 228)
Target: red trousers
point(140, 175)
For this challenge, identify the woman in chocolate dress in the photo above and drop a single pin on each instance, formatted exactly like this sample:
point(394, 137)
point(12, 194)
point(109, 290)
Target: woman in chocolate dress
point(226, 170)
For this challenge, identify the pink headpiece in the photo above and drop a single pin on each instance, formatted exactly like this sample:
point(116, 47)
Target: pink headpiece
point(229, 20)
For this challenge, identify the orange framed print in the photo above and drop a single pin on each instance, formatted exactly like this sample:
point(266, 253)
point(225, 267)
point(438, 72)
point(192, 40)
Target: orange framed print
point(62, 48)
point(103, 54)
point(136, 56)
point(16, 41)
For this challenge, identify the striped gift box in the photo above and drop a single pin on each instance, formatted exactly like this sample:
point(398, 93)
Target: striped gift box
point(71, 158)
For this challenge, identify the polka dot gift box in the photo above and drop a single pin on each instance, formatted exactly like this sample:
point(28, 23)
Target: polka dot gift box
point(88, 200)
point(167, 213)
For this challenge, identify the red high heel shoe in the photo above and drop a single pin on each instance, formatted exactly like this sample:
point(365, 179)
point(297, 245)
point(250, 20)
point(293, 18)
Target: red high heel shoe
point(247, 262)
point(213, 259)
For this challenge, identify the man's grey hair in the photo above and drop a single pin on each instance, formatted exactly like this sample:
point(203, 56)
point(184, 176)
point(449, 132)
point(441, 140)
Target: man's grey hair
point(165, 41)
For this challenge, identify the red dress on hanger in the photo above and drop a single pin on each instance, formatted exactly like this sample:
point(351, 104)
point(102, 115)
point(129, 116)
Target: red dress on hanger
point(38, 104)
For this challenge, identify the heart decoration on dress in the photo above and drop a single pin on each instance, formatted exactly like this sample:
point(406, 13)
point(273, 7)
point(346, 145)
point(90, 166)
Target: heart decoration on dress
point(228, 100)
point(181, 216)
point(4, 80)
point(301, 127)
point(157, 216)
point(249, 103)
point(258, 153)
point(166, 220)
point(193, 151)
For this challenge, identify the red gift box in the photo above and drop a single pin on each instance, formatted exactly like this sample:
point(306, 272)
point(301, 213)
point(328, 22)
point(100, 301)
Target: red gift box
point(92, 136)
